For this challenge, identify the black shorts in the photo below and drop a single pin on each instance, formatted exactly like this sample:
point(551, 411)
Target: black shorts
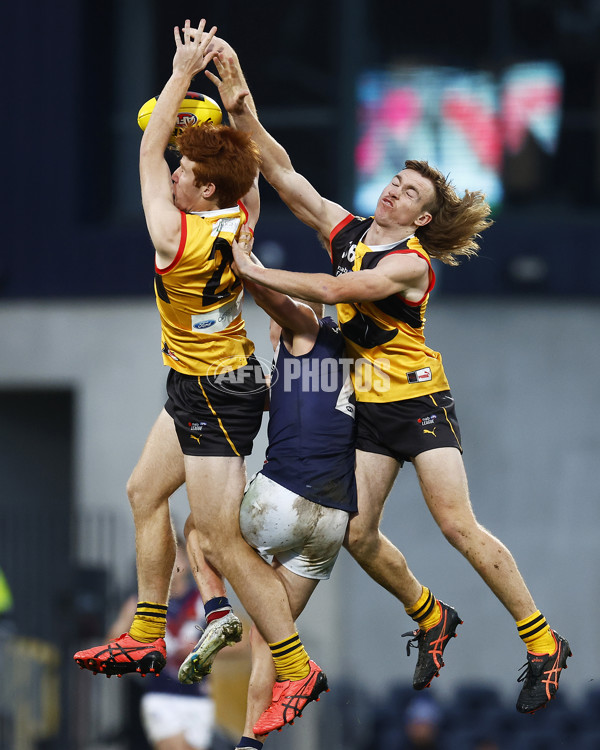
point(403, 429)
point(217, 418)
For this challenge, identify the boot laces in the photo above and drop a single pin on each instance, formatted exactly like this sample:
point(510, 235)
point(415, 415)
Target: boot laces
point(526, 672)
point(414, 641)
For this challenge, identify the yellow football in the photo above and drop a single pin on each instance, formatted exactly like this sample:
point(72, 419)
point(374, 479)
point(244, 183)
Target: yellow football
point(194, 109)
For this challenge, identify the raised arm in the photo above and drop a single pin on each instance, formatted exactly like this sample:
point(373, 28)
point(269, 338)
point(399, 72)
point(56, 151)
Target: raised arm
point(162, 217)
point(252, 199)
point(294, 189)
point(223, 49)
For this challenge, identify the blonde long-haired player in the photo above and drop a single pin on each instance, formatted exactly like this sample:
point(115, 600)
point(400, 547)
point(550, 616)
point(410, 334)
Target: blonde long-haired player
point(382, 276)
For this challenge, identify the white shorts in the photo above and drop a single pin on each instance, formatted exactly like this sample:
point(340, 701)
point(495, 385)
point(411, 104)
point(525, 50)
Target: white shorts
point(303, 536)
point(165, 715)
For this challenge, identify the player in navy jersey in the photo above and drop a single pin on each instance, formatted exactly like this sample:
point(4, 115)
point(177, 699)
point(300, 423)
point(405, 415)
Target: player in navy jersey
point(312, 409)
point(295, 510)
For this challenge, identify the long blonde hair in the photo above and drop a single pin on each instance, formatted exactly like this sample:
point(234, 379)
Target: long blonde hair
point(457, 223)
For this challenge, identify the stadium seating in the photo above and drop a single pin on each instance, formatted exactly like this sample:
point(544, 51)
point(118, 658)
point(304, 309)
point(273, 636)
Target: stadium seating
point(474, 711)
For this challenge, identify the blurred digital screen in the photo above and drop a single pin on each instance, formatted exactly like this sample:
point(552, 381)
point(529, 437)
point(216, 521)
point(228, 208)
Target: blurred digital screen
point(463, 122)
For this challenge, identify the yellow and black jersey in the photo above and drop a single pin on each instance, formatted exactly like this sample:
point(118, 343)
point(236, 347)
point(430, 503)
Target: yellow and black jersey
point(385, 338)
point(199, 297)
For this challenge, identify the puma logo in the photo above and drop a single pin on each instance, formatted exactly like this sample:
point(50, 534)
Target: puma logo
point(430, 432)
point(196, 437)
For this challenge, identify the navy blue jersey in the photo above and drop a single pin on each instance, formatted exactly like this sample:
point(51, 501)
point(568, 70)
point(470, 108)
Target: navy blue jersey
point(311, 422)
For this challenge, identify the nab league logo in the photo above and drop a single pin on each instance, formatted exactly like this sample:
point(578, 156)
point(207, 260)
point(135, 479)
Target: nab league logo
point(428, 422)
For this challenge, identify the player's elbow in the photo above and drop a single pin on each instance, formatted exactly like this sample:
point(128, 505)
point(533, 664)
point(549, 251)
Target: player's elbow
point(147, 149)
point(281, 175)
point(258, 292)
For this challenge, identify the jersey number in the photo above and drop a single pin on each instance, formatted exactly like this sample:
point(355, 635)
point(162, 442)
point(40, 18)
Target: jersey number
point(209, 294)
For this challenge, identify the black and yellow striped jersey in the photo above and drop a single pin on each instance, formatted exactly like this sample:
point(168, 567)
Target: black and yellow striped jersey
point(385, 338)
point(199, 297)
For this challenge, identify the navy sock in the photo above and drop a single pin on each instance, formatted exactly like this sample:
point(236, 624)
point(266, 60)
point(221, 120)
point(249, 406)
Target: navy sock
point(216, 607)
point(248, 742)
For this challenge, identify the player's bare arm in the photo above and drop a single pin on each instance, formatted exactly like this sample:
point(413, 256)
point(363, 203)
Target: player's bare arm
point(162, 217)
point(223, 49)
point(219, 46)
point(407, 275)
point(252, 203)
point(294, 189)
point(294, 317)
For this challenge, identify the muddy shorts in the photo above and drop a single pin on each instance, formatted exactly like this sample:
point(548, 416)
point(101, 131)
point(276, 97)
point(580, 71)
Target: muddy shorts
point(302, 535)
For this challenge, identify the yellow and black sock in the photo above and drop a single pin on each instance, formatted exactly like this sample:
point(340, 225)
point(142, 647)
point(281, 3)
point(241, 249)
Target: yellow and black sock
point(535, 632)
point(425, 611)
point(149, 622)
point(290, 657)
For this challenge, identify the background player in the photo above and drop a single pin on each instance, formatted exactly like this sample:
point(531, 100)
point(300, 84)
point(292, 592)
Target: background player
point(175, 716)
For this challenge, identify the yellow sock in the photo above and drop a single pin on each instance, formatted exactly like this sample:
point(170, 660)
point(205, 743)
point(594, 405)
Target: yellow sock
point(290, 657)
point(425, 611)
point(536, 633)
point(149, 622)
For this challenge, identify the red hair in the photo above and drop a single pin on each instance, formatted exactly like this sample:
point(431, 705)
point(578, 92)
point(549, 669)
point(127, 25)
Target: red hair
point(226, 157)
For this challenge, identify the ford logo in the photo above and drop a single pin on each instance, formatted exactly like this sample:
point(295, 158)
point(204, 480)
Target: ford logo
point(204, 324)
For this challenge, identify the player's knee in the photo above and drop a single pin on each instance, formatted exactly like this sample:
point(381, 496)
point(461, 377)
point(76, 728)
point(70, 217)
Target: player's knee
point(134, 492)
point(360, 541)
point(214, 546)
point(141, 497)
point(145, 496)
point(458, 531)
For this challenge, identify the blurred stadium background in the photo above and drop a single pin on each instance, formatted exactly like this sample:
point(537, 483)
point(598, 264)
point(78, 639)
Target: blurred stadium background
point(505, 97)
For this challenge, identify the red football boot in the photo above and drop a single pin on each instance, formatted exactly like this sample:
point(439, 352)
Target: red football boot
point(123, 655)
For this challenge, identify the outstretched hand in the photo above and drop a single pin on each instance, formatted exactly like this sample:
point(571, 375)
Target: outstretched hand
point(194, 52)
point(230, 82)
